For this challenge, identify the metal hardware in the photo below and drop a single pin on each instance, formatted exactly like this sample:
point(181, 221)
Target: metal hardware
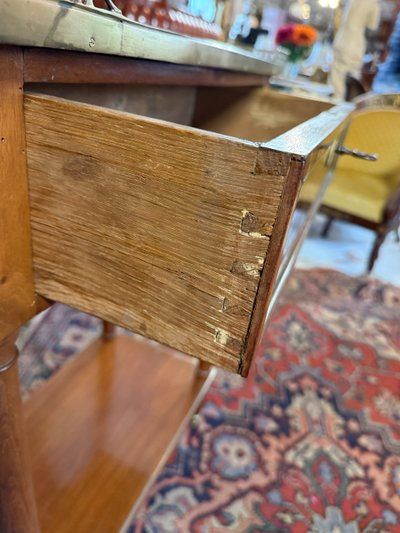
point(75, 25)
point(343, 150)
point(8, 364)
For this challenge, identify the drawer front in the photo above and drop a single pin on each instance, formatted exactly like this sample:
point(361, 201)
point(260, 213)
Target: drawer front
point(171, 232)
point(320, 174)
point(312, 148)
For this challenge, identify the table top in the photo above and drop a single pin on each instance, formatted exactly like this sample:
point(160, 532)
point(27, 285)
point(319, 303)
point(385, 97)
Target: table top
point(70, 25)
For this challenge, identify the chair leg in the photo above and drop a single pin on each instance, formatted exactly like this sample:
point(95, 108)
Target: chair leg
point(380, 237)
point(327, 227)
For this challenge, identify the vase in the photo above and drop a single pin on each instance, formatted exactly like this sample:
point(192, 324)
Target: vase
point(291, 70)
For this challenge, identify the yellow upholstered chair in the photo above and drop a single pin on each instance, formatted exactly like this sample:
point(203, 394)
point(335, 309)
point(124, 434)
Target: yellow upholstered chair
point(366, 193)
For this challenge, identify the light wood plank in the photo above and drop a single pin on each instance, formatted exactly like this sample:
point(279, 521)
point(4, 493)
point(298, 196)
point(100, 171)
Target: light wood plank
point(99, 429)
point(175, 104)
point(159, 228)
point(255, 114)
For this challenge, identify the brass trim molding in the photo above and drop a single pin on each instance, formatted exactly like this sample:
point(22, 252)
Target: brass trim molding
point(70, 25)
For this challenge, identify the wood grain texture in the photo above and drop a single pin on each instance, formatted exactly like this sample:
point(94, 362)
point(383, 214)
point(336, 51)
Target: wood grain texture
point(296, 171)
point(99, 429)
point(161, 229)
point(16, 284)
point(175, 104)
point(61, 66)
point(312, 146)
point(258, 115)
point(17, 504)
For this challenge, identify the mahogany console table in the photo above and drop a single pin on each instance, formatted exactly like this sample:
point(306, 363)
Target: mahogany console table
point(154, 191)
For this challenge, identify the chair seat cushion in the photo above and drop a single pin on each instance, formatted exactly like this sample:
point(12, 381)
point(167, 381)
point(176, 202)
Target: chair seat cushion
point(355, 193)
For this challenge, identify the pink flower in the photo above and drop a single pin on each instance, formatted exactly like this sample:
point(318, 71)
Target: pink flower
point(285, 34)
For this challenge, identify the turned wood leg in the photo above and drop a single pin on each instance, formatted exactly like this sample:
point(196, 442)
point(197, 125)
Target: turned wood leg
point(380, 237)
point(108, 330)
point(17, 504)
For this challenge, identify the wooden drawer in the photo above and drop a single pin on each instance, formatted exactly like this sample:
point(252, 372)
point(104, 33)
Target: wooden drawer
point(171, 231)
point(322, 164)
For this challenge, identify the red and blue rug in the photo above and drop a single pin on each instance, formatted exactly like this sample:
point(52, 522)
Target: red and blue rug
point(310, 442)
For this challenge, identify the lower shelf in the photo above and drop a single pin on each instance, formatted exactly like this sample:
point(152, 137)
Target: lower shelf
point(99, 429)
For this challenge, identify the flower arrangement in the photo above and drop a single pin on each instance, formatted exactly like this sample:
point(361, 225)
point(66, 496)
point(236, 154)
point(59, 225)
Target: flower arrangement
point(297, 38)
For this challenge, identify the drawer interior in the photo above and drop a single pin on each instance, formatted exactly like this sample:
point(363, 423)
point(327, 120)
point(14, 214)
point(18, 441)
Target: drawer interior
point(257, 115)
point(253, 114)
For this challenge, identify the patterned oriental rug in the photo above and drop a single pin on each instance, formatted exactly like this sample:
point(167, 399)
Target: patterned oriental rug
point(310, 442)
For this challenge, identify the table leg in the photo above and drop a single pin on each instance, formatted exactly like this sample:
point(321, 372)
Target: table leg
point(203, 369)
point(109, 330)
point(17, 504)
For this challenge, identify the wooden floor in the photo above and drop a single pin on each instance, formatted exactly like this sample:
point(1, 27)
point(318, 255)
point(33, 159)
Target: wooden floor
point(100, 427)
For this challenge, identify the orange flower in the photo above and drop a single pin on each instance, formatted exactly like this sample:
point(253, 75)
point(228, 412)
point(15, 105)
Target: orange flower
point(304, 35)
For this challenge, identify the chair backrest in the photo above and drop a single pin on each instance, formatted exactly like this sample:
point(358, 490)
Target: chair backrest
point(375, 128)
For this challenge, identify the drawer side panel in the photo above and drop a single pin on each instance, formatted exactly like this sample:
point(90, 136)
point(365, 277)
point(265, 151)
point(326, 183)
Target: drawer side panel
point(161, 229)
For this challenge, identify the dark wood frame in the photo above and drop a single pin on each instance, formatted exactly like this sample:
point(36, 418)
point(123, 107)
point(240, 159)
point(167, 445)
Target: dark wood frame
point(43, 65)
